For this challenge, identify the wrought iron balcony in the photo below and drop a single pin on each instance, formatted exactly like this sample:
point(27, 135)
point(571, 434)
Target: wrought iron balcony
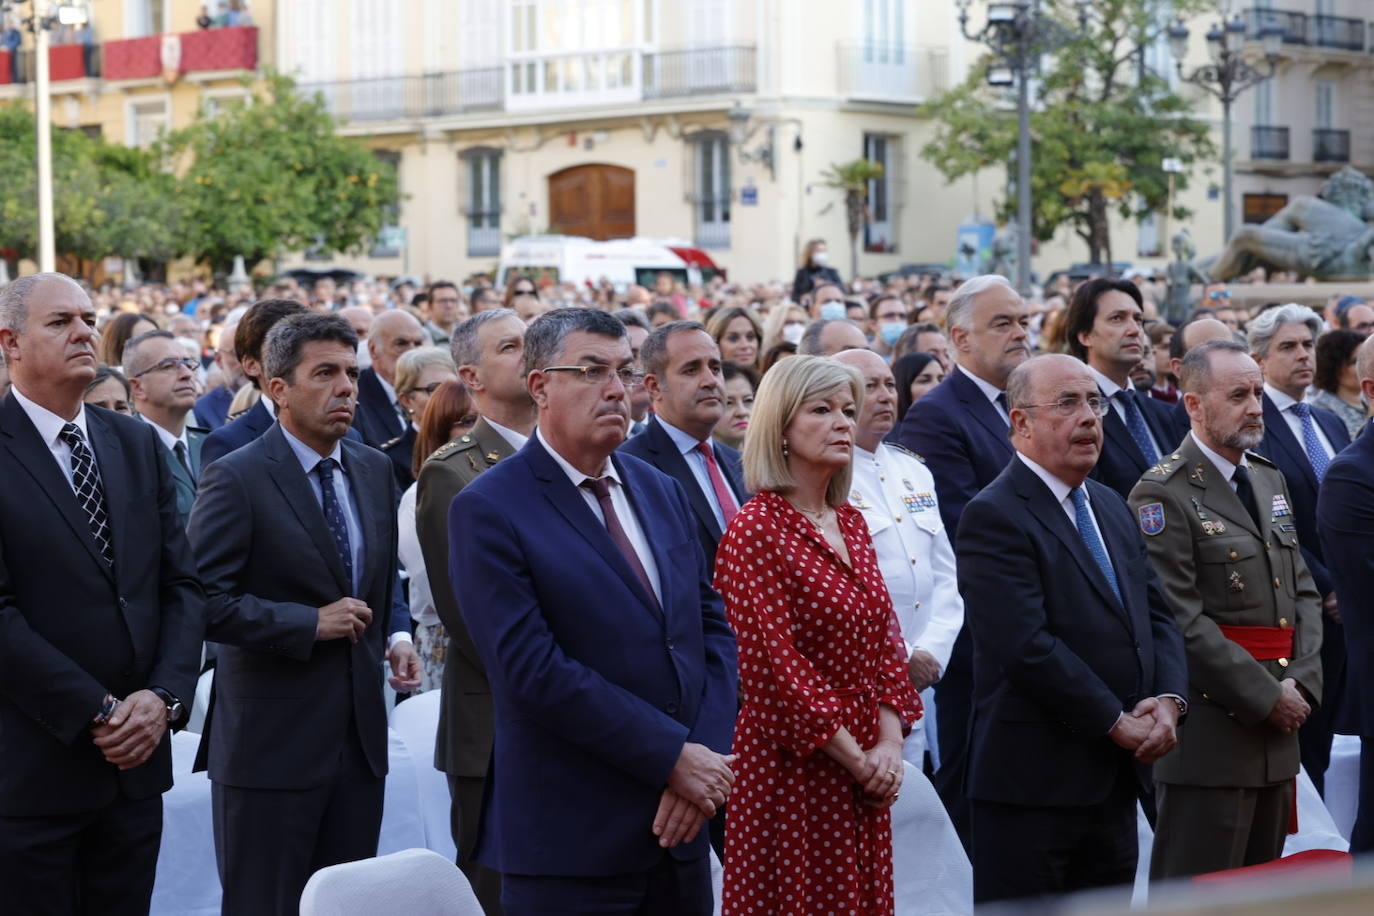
point(698, 71)
point(1330, 145)
point(884, 71)
point(1338, 32)
point(1268, 142)
point(412, 97)
point(1293, 26)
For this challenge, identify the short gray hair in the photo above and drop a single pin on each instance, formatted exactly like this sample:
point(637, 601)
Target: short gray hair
point(1195, 371)
point(14, 299)
point(1261, 329)
point(632, 318)
point(129, 360)
point(653, 353)
point(545, 336)
point(465, 345)
point(960, 308)
point(281, 351)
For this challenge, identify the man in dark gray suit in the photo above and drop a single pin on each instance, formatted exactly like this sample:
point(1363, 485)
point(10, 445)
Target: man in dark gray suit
point(163, 381)
point(295, 534)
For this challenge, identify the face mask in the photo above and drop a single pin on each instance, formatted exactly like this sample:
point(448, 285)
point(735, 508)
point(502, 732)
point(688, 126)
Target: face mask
point(832, 310)
point(820, 258)
point(890, 331)
point(792, 333)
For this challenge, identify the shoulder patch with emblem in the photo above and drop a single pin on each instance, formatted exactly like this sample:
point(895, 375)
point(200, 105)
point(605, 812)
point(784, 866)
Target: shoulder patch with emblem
point(1151, 516)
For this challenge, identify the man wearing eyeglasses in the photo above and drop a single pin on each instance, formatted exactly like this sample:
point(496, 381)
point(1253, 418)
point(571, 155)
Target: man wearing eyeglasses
point(612, 668)
point(163, 382)
point(1078, 666)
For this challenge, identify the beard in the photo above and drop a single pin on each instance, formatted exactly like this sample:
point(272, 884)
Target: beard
point(1244, 439)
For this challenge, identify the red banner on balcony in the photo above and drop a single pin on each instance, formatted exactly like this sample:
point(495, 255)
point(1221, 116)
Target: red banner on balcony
point(208, 49)
point(66, 62)
point(6, 67)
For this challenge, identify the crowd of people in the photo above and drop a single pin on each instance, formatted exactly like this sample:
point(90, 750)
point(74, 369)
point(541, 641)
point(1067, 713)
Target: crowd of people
point(713, 566)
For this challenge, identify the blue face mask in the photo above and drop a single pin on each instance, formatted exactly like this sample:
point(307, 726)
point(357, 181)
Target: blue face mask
point(890, 331)
point(832, 310)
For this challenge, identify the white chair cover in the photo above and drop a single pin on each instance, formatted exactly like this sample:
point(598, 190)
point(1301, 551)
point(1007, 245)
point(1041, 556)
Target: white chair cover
point(195, 722)
point(416, 721)
point(416, 882)
point(1343, 782)
point(932, 875)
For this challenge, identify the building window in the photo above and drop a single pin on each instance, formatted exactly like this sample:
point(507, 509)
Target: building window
point(147, 120)
point(1326, 104)
point(1147, 236)
point(391, 239)
point(145, 17)
point(711, 196)
point(218, 101)
point(1257, 208)
point(879, 234)
point(482, 200)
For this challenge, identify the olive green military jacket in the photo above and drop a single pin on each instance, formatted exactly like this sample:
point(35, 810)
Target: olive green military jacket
point(1216, 569)
point(463, 743)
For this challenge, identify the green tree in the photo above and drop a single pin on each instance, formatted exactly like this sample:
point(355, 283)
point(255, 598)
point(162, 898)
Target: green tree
point(852, 178)
point(273, 175)
point(1102, 123)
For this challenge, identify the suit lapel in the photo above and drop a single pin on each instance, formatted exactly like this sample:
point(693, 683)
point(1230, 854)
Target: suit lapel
point(195, 440)
point(980, 408)
point(1281, 438)
point(186, 487)
point(371, 514)
point(672, 462)
point(32, 454)
point(571, 505)
point(109, 455)
point(1114, 428)
point(287, 474)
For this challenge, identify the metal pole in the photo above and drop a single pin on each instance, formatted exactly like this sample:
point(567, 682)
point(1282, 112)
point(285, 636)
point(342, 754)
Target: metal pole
point(1023, 158)
point(1226, 166)
point(47, 251)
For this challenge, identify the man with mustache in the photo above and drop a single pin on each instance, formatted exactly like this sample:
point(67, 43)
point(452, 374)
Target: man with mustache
point(612, 668)
point(295, 534)
point(1078, 665)
point(163, 381)
point(682, 374)
point(960, 428)
point(1221, 535)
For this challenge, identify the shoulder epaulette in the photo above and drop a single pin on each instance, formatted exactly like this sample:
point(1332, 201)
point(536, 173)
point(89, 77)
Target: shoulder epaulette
point(1256, 458)
point(453, 447)
point(390, 442)
point(902, 448)
point(1167, 466)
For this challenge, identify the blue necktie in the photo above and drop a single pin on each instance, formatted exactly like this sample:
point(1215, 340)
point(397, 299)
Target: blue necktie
point(1135, 424)
point(1315, 453)
point(333, 516)
point(1083, 518)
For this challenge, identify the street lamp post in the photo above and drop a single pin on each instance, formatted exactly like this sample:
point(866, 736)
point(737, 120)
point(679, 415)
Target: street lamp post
point(1225, 78)
point(1018, 34)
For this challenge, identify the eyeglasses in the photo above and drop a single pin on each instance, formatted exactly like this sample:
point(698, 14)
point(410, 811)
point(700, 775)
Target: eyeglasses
point(171, 362)
point(1219, 294)
point(428, 389)
point(598, 375)
point(1067, 407)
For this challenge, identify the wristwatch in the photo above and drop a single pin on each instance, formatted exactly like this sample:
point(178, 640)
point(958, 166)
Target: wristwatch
point(174, 707)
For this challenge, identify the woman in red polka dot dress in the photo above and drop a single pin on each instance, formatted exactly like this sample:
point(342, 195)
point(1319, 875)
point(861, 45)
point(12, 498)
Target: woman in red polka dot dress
point(825, 697)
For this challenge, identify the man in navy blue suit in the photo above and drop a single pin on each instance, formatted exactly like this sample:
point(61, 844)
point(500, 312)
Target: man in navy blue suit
point(212, 407)
point(379, 410)
point(612, 668)
point(1079, 670)
point(682, 372)
point(1345, 520)
point(1302, 440)
point(1105, 329)
point(960, 429)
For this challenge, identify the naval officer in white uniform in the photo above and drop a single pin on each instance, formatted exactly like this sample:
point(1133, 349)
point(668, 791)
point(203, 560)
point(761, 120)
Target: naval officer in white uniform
point(896, 494)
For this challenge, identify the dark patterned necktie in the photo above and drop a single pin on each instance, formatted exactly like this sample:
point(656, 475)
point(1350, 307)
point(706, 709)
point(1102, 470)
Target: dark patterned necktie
point(90, 494)
point(1246, 492)
point(180, 451)
point(1135, 425)
point(333, 515)
point(1316, 454)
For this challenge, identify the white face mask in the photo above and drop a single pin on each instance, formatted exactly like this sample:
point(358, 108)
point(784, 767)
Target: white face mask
point(792, 332)
point(820, 258)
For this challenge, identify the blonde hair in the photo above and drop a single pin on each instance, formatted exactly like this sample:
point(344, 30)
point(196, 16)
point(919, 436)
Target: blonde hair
point(413, 364)
point(787, 386)
point(244, 398)
point(778, 316)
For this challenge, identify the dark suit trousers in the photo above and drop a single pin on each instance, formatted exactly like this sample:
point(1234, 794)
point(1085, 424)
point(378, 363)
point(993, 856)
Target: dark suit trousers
point(268, 842)
point(465, 811)
point(953, 710)
point(1203, 829)
point(1022, 851)
point(1314, 737)
point(670, 888)
point(1362, 834)
point(99, 862)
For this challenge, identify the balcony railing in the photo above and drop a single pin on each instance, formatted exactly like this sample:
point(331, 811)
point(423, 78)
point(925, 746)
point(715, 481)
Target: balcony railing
point(1262, 19)
point(410, 97)
point(1338, 32)
point(65, 62)
point(1268, 142)
point(698, 71)
point(875, 71)
point(234, 48)
point(1330, 145)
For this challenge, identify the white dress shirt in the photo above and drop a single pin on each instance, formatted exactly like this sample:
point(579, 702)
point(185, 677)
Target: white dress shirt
point(1224, 467)
point(1109, 389)
point(169, 440)
point(514, 439)
point(1063, 494)
point(990, 391)
point(696, 461)
point(1285, 404)
point(49, 425)
point(628, 520)
point(413, 559)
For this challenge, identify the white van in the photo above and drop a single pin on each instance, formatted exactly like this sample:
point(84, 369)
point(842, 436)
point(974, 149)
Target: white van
point(573, 259)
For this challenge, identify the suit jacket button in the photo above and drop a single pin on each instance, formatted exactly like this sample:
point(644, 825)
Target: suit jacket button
point(671, 709)
point(1283, 663)
point(918, 604)
point(1234, 555)
point(669, 644)
point(1283, 621)
point(1277, 583)
point(123, 603)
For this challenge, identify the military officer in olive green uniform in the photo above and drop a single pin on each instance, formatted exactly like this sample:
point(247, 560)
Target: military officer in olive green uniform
point(1220, 533)
point(488, 349)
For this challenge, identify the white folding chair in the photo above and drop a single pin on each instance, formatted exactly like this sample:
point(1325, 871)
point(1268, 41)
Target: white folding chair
point(416, 882)
point(930, 870)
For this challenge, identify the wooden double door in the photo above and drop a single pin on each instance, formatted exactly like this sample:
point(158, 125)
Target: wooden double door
point(595, 201)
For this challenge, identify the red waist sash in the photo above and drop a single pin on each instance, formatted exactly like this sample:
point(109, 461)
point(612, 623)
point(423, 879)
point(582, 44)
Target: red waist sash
point(1263, 643)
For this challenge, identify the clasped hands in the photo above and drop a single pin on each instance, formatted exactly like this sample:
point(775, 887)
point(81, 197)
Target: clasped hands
point(1150, 730)
point(879, 773)
point(349, 618)
point(699, 784)
point(134, 731)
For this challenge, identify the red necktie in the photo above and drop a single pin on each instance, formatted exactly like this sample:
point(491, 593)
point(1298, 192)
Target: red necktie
point(728, 507)
point(601, 487)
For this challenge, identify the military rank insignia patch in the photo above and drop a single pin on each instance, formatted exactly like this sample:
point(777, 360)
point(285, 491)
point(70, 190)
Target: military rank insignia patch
point(1151, 517)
